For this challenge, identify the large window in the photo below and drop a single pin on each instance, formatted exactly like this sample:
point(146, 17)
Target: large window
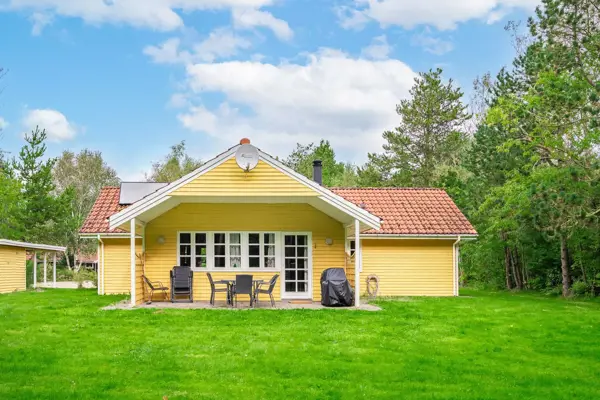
point(229, 250)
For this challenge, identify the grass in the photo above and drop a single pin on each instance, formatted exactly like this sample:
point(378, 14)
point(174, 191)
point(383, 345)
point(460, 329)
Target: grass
point(60, 345)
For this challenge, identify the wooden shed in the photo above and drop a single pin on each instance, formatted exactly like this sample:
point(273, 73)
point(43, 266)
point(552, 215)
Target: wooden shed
point(13, 258)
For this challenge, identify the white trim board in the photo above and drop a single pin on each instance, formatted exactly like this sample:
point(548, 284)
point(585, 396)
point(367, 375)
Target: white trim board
point(412, 237)
point(162, 195)
point(32, 246)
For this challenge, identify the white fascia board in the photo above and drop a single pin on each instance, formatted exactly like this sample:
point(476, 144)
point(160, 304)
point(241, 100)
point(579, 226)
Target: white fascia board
point(106, 235)
point(326, 194)
point(397, 236)
point(161, 195)
point(32, 246)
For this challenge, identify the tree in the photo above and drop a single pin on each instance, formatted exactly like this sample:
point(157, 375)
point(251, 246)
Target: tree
point(175, 165)
point(10, 205)
point(35, 173)
point(78, 179)
point(335, 173)
point(430, 134)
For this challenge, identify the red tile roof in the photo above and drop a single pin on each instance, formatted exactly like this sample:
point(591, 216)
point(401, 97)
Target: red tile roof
point(410, 211)
point(106, 205)
point(404, 211)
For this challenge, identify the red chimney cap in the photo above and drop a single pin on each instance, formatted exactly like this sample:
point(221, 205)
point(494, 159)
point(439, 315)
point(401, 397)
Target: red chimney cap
point(245, 141)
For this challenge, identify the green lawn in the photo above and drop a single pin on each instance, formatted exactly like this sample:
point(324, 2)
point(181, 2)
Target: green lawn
point(60, 345)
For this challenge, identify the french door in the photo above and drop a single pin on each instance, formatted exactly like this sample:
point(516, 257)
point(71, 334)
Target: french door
point(297, 268)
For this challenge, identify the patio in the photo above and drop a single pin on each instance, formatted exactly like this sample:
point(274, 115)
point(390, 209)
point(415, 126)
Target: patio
point(242, 305)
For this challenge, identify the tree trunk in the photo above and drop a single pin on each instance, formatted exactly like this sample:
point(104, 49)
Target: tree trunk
point(564, 266)
point(515, 269)
point(68, 262)
point(507, 267)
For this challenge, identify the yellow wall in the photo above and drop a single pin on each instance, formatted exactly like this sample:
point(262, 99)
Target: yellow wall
point(229, 180)
point(160, 258)
point(409, 267)
point(12, 269)
point(117, 262)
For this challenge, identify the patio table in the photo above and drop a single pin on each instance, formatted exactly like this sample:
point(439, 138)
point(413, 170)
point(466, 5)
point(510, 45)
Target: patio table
point(231, 282)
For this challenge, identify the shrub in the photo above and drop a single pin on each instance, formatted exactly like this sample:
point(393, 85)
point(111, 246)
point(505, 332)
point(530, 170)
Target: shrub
point(581, 288)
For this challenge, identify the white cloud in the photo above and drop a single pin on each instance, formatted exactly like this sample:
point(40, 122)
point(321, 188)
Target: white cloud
point(250, 18)
point(39, 20)
point(332, 96)
point(379, 49)
point(442, 14)
point(221, 43)
point(3, 123)
point(432, 44)
point(155, 14)
point(55, 123)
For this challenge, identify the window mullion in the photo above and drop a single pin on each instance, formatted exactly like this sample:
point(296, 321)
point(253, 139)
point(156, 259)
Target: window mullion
point(210, 251)
point(244, 241)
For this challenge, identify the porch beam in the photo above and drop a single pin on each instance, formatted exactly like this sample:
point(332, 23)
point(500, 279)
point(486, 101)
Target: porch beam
point(35, 269)
point(45, 268)
point(54, 270)
point(132, 254)
point(357, 262)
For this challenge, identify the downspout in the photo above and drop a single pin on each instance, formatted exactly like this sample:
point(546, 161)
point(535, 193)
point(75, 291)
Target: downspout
point(455, 265)
point(101, 268)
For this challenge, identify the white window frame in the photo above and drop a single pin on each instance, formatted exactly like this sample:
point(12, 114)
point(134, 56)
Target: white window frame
point(210, 256)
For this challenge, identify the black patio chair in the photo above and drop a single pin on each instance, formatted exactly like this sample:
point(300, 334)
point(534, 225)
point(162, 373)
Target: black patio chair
point(268, 291)
point(155, 286)
point(243, 285)
point(182, 279)
point(214, 289)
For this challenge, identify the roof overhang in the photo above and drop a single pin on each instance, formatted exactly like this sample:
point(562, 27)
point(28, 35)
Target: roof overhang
point(452, 236)
point(32, 246)
point(160, 201)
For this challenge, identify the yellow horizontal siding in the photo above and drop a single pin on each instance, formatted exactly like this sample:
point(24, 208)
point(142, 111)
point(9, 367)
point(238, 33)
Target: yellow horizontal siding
point(228, 179)
point(160, 258)
point(409, 267)
point(117, 262)
point(12, 269)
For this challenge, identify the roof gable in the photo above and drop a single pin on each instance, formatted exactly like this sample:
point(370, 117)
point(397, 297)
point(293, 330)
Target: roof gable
point(164, 194)
point(228, 179)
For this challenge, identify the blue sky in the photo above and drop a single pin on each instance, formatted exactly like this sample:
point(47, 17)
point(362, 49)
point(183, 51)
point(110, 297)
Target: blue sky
point(132, 77)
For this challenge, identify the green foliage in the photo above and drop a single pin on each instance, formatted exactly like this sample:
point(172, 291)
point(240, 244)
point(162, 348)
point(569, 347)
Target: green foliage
point(430, 135)
point(335, 173)
point(175, 165)
point(78, 179)
point(10, 205)
point(40, 211)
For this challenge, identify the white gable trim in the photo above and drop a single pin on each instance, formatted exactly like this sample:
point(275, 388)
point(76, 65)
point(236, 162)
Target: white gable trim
point(161, 195)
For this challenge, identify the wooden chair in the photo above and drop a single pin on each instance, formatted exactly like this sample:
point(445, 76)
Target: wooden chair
point(155, 286)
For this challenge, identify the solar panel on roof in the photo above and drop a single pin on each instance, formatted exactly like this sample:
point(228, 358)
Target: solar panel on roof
point(134, 191)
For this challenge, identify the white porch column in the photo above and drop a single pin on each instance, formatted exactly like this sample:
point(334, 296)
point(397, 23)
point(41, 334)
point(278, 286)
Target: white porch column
point(35, 269)
point(45, 268)
point(132, 251)
point(357, 263)
point(54, 271)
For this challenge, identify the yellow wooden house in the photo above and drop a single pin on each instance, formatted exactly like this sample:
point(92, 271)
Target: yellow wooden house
point(245, 211)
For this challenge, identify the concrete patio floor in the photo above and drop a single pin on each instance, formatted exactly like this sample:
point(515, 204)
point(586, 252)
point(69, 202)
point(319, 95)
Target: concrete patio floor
point(242, 305)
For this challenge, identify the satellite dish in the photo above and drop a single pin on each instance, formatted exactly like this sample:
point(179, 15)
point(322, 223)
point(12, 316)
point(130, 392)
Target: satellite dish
point(246, 157)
